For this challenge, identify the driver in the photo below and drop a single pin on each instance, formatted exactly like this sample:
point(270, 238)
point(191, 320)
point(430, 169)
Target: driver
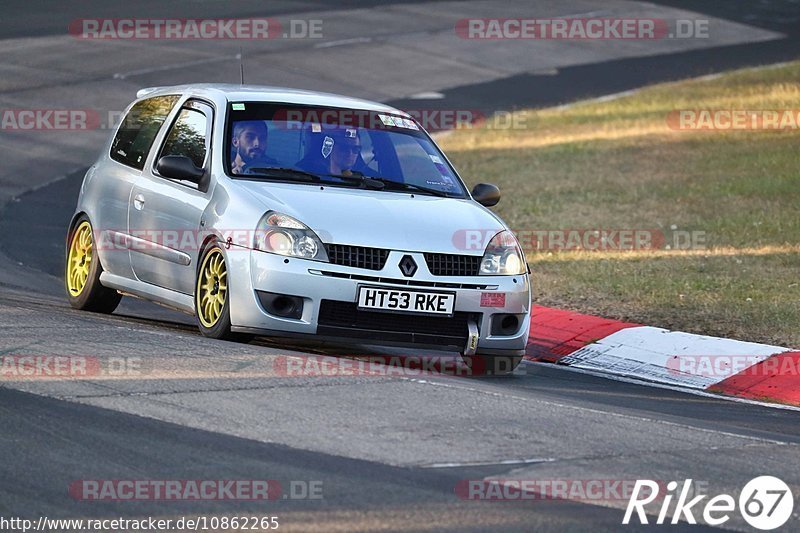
point(248, 146)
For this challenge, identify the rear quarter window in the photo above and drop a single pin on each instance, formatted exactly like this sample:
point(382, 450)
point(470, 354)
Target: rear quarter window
point(138, 130)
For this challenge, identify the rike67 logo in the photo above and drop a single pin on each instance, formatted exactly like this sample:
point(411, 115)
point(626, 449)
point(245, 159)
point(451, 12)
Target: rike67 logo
point(765, 503)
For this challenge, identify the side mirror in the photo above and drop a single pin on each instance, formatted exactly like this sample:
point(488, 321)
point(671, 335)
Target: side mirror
point(486, 194)
point(179, 167)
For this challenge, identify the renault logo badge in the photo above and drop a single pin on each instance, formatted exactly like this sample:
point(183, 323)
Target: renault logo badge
point(408, 266)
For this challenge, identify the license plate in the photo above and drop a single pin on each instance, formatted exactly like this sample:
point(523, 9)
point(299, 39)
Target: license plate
point(403, 301)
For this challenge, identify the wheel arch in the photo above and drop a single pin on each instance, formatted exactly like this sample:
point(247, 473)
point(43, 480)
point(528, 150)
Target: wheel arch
point(208, 242)
point(74, 220)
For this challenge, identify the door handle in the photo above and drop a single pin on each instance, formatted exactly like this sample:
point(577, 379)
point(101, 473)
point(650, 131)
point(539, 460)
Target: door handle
point(138, 202)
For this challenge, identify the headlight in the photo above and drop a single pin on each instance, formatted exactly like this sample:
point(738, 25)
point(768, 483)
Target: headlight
point(503, 256)
point(281, 234)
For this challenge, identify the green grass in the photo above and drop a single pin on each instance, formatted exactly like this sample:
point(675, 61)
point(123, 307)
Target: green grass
point(618, 165)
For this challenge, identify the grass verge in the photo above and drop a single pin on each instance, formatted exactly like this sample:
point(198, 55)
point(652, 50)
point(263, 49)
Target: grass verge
point(618, 164)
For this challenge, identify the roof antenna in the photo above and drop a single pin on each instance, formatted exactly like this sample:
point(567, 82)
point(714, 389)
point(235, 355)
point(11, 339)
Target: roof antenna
point(241, 65)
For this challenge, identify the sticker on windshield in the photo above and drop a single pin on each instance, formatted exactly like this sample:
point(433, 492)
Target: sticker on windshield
point(327, 147)
point(316, 128)
point(435, 159)
point(399, 122)
point(444, 182)
point(237, 107)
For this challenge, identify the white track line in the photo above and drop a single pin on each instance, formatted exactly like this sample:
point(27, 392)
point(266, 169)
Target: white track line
point(491, 463)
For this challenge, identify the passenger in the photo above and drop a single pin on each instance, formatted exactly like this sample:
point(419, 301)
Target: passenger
point(339, 154)
point(346, 152)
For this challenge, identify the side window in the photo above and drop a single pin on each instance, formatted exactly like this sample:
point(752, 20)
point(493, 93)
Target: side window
point(188, 137)
point(138, 130)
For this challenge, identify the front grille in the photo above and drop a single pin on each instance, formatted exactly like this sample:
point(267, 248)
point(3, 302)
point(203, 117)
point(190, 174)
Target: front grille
point(453, 265)
point(344, 319)
point(357, 256)
point(406, 282)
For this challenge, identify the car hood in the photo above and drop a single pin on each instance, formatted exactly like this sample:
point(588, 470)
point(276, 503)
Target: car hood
point(392, 220)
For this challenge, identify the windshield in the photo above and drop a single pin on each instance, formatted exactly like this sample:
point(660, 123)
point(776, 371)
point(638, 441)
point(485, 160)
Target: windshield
point(286, 142)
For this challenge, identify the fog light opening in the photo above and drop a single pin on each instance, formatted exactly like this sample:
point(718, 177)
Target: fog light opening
point(509, 323)
point(281, 305)
point(505, 325)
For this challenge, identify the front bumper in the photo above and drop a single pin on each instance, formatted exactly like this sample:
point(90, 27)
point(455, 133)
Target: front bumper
point(329, 293)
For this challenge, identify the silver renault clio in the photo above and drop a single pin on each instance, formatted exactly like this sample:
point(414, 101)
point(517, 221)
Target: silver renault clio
point(290, 213)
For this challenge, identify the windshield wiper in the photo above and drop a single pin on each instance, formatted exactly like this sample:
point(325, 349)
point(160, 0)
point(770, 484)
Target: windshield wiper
point(294, 173)
point(359, 178)
point(284, 172)
point(379, 183)
point(400, 185)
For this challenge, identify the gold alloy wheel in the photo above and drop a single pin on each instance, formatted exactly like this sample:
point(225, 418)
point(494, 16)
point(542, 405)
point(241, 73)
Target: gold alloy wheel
point(212, 288)
point(79, 260)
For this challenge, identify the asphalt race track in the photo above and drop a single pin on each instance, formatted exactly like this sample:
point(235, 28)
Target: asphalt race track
point(387, 451)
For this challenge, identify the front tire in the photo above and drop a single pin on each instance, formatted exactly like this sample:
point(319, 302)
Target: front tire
point(212, 297)
point(82, 272)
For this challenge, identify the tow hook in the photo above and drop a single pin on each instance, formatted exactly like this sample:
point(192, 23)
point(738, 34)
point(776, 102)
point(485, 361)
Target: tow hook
point(472, 338)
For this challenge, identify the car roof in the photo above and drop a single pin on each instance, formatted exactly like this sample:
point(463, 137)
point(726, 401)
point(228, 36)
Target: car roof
point(265, 93)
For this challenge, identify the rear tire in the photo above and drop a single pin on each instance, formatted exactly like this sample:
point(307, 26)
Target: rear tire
point(82, 272)
point(492, 365)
